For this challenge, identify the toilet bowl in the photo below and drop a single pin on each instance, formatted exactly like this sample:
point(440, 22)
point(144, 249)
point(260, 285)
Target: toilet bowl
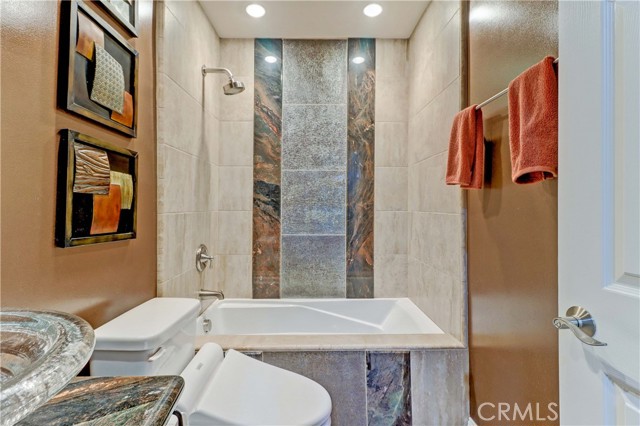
point(158, 337)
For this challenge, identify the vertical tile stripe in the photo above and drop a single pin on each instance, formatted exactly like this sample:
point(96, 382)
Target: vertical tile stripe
point(389, 389)
point(360, 167)
point(267, 158)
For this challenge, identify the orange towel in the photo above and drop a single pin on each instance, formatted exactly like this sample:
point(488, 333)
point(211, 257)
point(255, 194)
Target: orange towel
point(465, 166)
point(533, 123)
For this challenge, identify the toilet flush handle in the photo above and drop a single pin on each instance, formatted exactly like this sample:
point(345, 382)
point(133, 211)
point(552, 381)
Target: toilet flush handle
point(157, 354)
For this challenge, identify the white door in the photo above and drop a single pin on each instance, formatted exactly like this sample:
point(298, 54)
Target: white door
point(598, 218)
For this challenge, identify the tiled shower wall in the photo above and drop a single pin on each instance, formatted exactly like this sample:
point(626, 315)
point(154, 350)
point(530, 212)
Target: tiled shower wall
point(235, 185)
point(187, 131)
point(437, 260)
point(310, 128)
point(391, 172)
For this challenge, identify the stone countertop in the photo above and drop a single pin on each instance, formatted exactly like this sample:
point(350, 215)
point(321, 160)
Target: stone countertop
point(110, 401)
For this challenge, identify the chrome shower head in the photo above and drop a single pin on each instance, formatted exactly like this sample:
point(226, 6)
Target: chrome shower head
point(233, 87)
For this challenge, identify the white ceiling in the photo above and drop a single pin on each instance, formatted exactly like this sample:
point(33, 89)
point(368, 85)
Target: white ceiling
point(313, 19)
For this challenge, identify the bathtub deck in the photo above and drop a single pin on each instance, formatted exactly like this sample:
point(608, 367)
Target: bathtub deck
point(325, 342)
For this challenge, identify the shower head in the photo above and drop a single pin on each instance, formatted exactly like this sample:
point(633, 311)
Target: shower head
point(233, 87)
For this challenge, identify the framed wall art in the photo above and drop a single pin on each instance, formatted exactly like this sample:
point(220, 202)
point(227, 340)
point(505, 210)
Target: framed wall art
point(97, 191)
point(124, 11)
point(98, 76)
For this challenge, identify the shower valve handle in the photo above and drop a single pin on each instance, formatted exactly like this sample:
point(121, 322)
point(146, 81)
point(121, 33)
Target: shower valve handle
point(203, 258)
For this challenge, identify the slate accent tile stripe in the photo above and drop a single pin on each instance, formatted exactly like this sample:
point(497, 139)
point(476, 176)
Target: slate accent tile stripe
point(314, 137)
point(313, 266)
point(267, 169)
point(360, 168)
point(341, 373)
point(315, 71)
point(313, 202)
point(388, 388)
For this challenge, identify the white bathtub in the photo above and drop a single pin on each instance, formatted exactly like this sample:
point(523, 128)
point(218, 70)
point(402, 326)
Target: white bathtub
point(315, 317)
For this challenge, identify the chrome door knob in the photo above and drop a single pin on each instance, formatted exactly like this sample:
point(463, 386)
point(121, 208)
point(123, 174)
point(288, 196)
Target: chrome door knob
point(580, 322)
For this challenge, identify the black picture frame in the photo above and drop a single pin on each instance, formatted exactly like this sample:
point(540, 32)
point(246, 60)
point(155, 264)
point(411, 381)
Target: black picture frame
point(70, 216)
point(130, 22)
point(75, 70)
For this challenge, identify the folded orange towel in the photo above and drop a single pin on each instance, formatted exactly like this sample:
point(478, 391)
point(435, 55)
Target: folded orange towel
point(533, 123)
point(465, 165)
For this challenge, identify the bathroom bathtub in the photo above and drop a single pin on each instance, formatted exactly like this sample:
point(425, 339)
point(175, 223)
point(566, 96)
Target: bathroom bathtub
point(320, 324)
point(345, 345)
point(316, 316)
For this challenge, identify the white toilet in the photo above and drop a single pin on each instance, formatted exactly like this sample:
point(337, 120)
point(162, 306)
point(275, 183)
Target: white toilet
point(158, 338)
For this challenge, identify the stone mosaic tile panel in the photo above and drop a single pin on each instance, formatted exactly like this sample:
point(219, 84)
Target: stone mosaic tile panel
point(315, 71)
point(439, 387)
point(342, 374)
point(314, 137)
point(360, 167)
point(267, 169)
point(388, 389)
point(313, 266)
point(313, 202)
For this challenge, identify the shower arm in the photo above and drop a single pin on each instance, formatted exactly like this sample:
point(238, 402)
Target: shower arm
point(206, 71)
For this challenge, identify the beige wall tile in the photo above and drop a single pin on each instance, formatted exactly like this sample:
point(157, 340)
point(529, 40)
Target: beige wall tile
point(391, 231)
point(391, 58)
point(210, 146)
point(236, 188)
point(237, 55)
point(235, 232)
point(439, 295)
point(429, 130)
point(188, 145)
point(428, 191)
point(391, 99)
point(391, 144)
point(180, 119)
point(171, 245)
point(390, 275)
point(391, 188)
point(437, 240)
point(236, 143)
point(234, 275)
point(178, 176)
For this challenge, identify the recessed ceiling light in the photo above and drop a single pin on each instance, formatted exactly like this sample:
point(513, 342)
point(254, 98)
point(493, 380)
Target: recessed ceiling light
point(255, 10)
point(271, 59)
point(358, 60)
point(372, 10)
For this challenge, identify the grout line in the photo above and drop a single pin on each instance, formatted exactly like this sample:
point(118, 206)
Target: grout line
point(429, 158)
point(313, 235)
point(411, 116)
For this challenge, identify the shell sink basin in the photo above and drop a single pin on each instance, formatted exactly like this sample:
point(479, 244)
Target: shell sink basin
point(40, 352)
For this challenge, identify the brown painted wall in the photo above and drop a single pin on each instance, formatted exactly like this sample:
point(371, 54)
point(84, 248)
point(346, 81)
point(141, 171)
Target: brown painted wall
point(96, 282)
point(512, 229)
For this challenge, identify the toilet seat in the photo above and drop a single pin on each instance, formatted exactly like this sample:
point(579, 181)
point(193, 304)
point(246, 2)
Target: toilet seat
point(239, 390)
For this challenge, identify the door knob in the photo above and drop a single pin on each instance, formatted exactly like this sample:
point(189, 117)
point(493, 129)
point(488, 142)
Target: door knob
point(580, 322)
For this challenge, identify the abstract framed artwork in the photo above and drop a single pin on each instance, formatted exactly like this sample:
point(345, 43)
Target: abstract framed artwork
point(123, 11)
point(97, 191)
point(98, 76)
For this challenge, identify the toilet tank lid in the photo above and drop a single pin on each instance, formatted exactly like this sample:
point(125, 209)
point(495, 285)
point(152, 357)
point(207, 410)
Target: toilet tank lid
point(148, 325)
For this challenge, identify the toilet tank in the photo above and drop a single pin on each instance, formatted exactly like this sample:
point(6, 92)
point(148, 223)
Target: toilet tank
point(154, 338)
